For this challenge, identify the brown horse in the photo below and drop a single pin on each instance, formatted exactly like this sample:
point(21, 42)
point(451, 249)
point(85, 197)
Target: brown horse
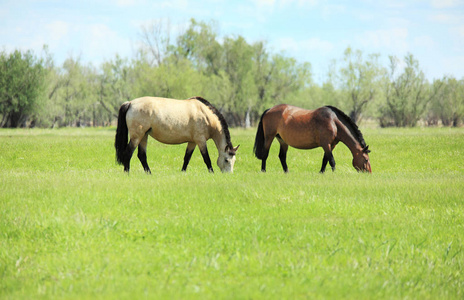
point(308, 129)
point(170, 121)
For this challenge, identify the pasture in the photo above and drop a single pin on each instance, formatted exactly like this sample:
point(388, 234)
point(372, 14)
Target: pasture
point(73, 225)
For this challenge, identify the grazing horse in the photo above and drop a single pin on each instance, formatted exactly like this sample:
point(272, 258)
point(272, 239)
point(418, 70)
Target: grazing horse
point(170, 121)
point(307, 129)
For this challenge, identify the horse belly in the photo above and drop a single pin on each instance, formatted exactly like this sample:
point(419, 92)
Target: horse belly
point(300, 142)
point(172, 133)
point(165, 138)
point(300, 136)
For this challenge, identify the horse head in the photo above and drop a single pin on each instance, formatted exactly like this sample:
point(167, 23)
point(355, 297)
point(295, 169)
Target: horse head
point(226, 159)
point(361, 160)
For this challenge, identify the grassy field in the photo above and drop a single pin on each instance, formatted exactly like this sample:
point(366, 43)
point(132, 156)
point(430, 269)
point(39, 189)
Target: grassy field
point(73, 225)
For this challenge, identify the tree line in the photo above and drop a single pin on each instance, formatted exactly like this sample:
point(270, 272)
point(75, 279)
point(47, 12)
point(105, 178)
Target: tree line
point(240, 78)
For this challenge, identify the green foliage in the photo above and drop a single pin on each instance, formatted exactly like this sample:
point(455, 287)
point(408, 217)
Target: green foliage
point(21, 87)
point(115, 85)
point(449, 104)
point(239, 77)
point(73, 225)
point(76, 94)
point(199, 44)
point(360, 81)
point(249, 79)
point(407, 94)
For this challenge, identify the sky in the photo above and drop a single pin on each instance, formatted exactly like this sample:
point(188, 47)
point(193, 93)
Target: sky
point(314, 31)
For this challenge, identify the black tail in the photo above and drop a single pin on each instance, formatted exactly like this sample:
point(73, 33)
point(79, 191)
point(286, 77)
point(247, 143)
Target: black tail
point(259, 139)
point(121, 139)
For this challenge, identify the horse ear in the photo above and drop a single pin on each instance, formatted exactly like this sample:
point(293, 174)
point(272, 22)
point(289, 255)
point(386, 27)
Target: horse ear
point(366, 150)
point(231, 150)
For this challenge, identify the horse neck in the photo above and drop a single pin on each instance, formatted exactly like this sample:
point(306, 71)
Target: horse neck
point(220, 140)
point(216, 130)
point(347, 138)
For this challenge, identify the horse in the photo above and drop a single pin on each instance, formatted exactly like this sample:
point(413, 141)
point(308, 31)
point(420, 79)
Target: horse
point(307, 129)
point(170, 121)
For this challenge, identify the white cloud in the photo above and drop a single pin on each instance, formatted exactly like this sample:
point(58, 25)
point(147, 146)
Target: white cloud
point(125, 3)
point(93, 42)
point(446, 18)
point(446, 3)
point(394, 39)
point(458, 39)
point(331, 10)
point(300, 3)
point(56, 31)
point(100, 42)
point(452, 66)
point(264, 2)
point(174, 4)
point(316, 44)
point(424, 41)
point(399, 22)
point(129, 3)
point(301, 47)
point(271, 4)
point(459, 31)
point(396, 4)
point(364, 15)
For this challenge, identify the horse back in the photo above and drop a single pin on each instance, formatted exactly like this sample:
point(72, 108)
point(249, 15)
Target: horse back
point(298, 127)
point(169, 121)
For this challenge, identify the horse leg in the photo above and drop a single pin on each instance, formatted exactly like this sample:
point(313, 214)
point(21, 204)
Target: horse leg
point(128, 155)
point(263, 161)
point(136, 137)
point(328, 157)
point(332, 161)
point(206, 159)
point(188, 155)
point(142, 153)
point(283, 154)
point(267, 145)
point(325, 160)
point(331, 157)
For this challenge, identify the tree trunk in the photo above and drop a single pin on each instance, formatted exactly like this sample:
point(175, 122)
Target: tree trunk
point(247, 118)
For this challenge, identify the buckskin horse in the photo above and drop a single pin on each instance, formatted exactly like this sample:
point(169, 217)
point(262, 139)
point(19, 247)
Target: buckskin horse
point(307, 129)
point(169, 121)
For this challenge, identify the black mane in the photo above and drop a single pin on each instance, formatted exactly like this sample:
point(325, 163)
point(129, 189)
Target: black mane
point(353, 127)
point(221, 118)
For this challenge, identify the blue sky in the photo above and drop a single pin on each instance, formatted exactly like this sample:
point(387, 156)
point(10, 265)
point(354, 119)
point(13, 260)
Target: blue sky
point(315, 31)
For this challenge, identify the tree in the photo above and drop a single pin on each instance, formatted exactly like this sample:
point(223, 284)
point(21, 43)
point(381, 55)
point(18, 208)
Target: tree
point(76, 93)
point(115, 85)
point(156, 41)
point(407, 94)
point(47, 116)
point(240, 78)
point(448, 105)
point(289, 77)
point(22, 86)
point(238, 66)
point(263, 70)
point(199, 45)
point(359, 80)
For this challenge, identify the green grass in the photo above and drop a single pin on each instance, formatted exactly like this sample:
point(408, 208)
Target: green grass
point(73, 225)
